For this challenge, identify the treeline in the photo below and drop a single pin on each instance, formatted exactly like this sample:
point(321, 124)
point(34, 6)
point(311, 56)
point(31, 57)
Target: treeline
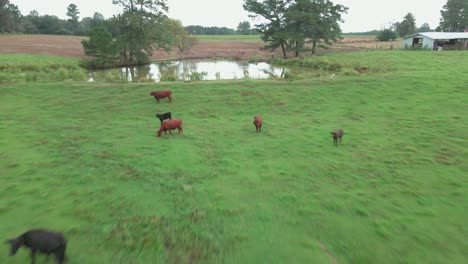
point(201, 30)
point(244, 28)
point(12, 21)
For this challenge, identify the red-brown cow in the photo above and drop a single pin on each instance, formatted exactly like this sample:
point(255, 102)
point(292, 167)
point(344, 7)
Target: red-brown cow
point(258, 123)
point(170, 125)
point(162, 94)
point(338, 134)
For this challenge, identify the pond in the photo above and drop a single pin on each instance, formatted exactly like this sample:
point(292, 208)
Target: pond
point(186, 70)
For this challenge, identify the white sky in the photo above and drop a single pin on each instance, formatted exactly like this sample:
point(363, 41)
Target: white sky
point(363, 15)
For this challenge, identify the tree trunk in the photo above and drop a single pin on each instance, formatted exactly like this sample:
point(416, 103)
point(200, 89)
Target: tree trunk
point(314, 45)
point(284, 50)
point(296, 54)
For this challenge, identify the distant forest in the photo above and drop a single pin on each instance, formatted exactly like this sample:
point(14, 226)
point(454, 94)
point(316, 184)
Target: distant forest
point(14, 22)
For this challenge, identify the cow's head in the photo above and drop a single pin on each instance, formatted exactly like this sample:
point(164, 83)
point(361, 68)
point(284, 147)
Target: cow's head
point(15, 244)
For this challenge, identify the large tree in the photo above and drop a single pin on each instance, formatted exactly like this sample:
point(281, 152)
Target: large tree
point(11, 20)
point(313, 21)
point(244, 28)
point(102, 47)
point(274, 30)
point(424, 28)
point(407, 26)
point(454, 16)
point(140, 29)
point(72, 13)
point(177, 35)
point(291, 24)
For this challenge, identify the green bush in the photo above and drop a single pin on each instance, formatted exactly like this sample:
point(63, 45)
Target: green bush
point(197, 76)
point(386, 35)
point(166, 76)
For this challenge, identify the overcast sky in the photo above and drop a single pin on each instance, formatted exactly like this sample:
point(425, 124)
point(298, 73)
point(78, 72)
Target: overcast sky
point(363, 15)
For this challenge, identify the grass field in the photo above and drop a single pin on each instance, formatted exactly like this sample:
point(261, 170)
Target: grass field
point(82, 158)
point(210, 38)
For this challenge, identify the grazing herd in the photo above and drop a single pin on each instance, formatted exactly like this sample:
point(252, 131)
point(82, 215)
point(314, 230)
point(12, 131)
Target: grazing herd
point(177, 123)
point(49, 242)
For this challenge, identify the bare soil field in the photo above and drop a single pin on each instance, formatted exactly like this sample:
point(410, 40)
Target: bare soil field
point(70, 46)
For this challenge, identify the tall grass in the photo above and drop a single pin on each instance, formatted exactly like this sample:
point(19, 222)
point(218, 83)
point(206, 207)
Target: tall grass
point(35, 68)
point(83, 158)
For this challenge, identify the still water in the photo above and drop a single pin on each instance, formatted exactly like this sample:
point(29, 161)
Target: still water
point(186, 70)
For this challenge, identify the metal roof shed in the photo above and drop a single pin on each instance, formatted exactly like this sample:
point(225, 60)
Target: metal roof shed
point(433, 40)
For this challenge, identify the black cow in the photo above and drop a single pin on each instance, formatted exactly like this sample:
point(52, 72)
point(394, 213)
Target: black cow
point(44, 241)
point(164, 116)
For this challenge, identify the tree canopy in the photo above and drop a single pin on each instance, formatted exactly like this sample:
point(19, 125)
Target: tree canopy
point(454, 16)
point(292, 24)
point(407, 26)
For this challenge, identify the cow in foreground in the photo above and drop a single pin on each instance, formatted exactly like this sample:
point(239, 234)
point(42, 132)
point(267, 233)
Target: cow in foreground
point(258, 123)
point(164, 116)
point(162, 94)
point(170, 125)
point(44, 241)
point(338, 134)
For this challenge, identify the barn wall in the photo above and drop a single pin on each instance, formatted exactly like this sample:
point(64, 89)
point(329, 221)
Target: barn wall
point(407, 43)
point(427, 43)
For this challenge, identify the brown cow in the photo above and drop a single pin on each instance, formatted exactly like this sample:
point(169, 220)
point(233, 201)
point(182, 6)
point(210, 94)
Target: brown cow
point(338, 134)
point(258, 123)
point(162, 94)
point(170, 125)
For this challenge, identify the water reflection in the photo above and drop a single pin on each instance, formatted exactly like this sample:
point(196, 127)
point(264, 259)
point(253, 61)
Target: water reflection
point(187, 70)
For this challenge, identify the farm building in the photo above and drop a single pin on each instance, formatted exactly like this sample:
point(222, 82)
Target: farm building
point(437, 40)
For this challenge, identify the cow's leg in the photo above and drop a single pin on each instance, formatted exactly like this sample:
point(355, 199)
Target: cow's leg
point(60, 254)
point(157, 99)
point(170, 132)
point(170, 98)
point(33, 256)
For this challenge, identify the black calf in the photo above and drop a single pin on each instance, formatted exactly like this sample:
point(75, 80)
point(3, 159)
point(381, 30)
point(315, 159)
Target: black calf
point(44, 241)
point(164, 116)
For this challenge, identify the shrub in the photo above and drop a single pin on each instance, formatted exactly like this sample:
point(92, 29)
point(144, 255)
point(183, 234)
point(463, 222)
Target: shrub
point(386, 35)
point(197, 76)
point(166, 76)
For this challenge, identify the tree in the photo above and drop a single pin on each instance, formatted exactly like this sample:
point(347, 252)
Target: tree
point(88, 23)
point(294, 23)
point(424, 28)
point(11, 20)
point(4, 16)
point(274, 30)
point(72, 12)
point(177, 34)
point(315, 22)
point(51, 25)
point(407, 26)
point(102, 46)
point(139, 29)
point(454, 16)
point(386, 35)
point(244, 28)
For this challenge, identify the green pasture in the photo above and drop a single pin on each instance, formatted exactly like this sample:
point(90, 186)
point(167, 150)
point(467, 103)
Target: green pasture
point(208, 38)
point(83, 158)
